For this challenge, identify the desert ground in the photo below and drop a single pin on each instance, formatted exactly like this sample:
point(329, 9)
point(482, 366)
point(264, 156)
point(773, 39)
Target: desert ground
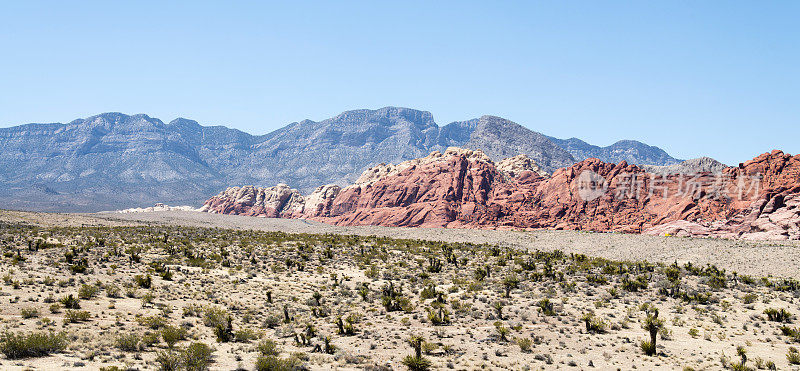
point(188, 290)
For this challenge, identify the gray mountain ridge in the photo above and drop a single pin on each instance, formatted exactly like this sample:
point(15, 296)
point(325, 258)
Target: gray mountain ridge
point(112, 160)
point(630, 151)
point(693, 166)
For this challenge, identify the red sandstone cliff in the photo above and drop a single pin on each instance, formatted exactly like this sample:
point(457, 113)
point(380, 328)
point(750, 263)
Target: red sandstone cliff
point(463, 188)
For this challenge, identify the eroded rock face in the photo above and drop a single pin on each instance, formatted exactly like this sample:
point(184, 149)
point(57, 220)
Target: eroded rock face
point(759, 199)
point(319, 202)
point(514, 166)
point(273, 202)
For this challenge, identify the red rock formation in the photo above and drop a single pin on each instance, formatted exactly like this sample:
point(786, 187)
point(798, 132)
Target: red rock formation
point(463, 188)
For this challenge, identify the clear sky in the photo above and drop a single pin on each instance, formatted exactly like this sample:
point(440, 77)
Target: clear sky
point(716, 78)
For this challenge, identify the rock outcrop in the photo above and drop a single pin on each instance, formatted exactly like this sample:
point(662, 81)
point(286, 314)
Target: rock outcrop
point(273, 202)
point(695, 165)
point(759, 199)
point(319, 202)
point(514, 166)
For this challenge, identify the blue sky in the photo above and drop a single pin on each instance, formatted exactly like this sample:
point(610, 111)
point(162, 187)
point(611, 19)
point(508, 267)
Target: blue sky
point(716, 78)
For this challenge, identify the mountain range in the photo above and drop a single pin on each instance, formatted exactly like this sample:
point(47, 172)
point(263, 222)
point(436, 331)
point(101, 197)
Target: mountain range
point(113, 161)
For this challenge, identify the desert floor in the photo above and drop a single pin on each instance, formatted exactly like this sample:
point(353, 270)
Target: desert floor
point(351, 297)
point(760, 258)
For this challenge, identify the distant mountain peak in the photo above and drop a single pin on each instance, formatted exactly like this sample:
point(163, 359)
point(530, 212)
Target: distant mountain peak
point(118, 161)
point(384, 115)
point(630, 151)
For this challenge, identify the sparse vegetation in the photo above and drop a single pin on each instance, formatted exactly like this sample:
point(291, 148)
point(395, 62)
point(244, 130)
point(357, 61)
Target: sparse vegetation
point(778, 315)
point(417, 362)
point(38, 344)
point(279, 297)
point(653, 325)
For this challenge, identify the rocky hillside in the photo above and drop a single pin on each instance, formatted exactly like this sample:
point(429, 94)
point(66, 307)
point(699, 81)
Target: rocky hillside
point(695, 165)
point(116, 161)
point(499, 138)
point(630, 151)
point(107, 161)
point(464, 188)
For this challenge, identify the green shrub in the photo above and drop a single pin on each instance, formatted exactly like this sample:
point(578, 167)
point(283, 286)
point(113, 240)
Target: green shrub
point(73, 316)
point(793, 333)
point(38, 344)
point(273, 363)
point(597, 279)
point(438, 316)
point(778, 315)
point(640, 283)
point(70, 302)
point(87, 291)
point(224, 332)
point(593, 324)
point(245, 335)
point(144, 282)
point(80, 267)
point(128, 342)
point(546, 307)
point(717, 281)
point(525, 344)
point(268, 347)
point(150, 339)
point(750, 298)
point(273, 320)
point(29, 313)
point(793, 356)
point(153, 322)
point(196, 357)
point(168, 360)
point(147, 298)
point(112, 291)
point(429, 292)
point(172, 334)
point(648, 347)
point(213, 316)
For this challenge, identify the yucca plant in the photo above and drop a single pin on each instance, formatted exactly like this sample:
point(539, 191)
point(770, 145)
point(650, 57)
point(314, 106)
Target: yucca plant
point(778, 315)
point(417, 362)
point(593, 324)
point(546, 307)
point(652, 324)
point(525, 344)
point(510, 283)
point(502, 331)
point(793, 356)
point(498, 307)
